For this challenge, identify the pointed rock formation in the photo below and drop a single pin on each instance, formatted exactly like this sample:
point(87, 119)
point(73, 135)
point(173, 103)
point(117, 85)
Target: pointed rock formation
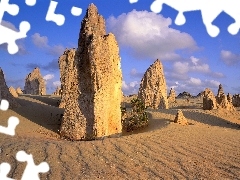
point(19, 91)
point(219, 94)
point(34, 83)
point(153, 89)
point(5, 94)
point(93, 108)
point(180, 119)
point(68, 76)
point(13, 91)
point(172, 96)
point(225, 104)
point(209, 100)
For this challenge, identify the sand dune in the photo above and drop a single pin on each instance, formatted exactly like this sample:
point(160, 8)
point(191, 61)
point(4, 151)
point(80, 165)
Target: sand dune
point(206, 149)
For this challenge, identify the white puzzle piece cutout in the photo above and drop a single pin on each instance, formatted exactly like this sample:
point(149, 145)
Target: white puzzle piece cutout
point(10, 36)
point(31, 171)
point(4, 170)
point(59, 19)
point(209, 10)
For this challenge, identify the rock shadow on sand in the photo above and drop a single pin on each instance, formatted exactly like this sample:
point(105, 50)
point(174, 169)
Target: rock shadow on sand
point(202, 117)
point(44, 115)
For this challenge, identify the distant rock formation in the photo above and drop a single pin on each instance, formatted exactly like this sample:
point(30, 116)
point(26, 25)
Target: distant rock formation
point(209, 100)
point(184, 95)
point(172, 96)
point(224, 103)
point(93, 109)
point(153, 89)
point(229, 98)
point(201, 94)
point(13, 91)
point(236, 100)
point(180, 119)
point(68, 74)
point(19, 91)
point(34, 83)
point(58, 91)
point(219, 94)
point(4, 92)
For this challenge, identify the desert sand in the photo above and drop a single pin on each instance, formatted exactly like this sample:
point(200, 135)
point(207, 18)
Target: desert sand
point(207, 148)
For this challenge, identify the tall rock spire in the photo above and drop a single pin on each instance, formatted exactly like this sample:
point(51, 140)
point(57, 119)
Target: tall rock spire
point(93, 110)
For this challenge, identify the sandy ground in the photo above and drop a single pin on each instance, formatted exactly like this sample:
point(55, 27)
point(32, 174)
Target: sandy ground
point(208, 148)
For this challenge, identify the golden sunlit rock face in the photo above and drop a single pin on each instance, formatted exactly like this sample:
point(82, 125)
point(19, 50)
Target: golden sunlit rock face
point(92, 110)
point(153, 89)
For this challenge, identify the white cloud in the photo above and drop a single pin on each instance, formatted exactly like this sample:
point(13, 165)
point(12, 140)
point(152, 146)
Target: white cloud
point(42, 42)
point(56, 50)
point(195, 81)
point(229, 58)
point(48, 77)
point(39, 41)
point(56, 84)
point(149, 35)
point(9, 25)
point(130, 88)
point(194, 65)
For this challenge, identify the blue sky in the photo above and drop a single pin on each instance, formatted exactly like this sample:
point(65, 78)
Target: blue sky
point(192, 59)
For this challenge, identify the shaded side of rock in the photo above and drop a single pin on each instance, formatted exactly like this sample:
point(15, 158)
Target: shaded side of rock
point(4, 92)
point(93, 110)
point(180, 119)
point(13, 91)
point(68, 76)
point(236, 100)
point(209, 100)
point(34, 83)
point(153, 89)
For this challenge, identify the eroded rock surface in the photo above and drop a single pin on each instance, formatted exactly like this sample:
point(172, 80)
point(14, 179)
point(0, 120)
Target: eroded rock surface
point(68, 76)
point(13, 91)
point(34, 83)
point(209, 100)
point(19, 91)
point(4, 92)
point(153, 89)
point(94, 94)
point(172, 96)
point(236, 100)
point(180, 119)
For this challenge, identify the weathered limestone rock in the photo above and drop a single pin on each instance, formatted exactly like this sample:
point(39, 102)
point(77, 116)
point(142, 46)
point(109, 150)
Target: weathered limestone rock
point(93, 109)
point(172, 96)
point(229, 98)
point(180, 119)
point(19, 91)
point(13, 91)
point(224, 103)
point(153, 89)
point(209, 100)
point(219, 94)
point(236, 100)
point(34, 83)
point(68, 76)
point(5, 94)
point(58, 91)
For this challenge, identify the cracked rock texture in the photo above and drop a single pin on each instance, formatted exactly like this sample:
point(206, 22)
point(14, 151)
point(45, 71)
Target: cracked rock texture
point(34, 83)
point(94, 96)
point(153, 89)
point(209, 100)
